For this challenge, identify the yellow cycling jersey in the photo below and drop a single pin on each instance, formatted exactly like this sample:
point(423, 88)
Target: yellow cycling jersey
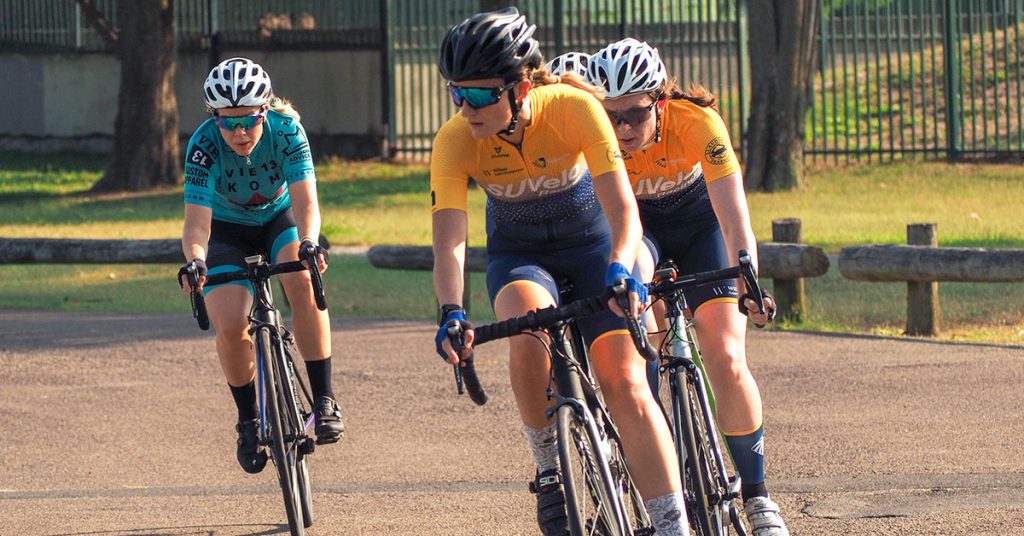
point(568, 134)
point(694, 140)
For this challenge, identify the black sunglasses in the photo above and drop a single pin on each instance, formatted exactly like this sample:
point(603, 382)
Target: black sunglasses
point(632, 116)
point(477, 97)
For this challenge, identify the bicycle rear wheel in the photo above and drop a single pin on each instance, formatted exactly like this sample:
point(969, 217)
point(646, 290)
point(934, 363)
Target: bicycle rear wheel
point(591, 501)
point(285, 458)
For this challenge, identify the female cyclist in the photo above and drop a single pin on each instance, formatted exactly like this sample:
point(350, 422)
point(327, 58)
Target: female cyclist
point(689, 189)
point(532, 145)
point(250, 188)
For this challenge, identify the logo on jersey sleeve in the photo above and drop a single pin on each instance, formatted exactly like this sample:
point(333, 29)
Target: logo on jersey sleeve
point(199, 157)
point(613, 154)
point(717, 151)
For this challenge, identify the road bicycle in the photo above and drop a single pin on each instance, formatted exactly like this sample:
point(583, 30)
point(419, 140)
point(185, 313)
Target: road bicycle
point(711, 494)
point(285, 400)
point(600, 496)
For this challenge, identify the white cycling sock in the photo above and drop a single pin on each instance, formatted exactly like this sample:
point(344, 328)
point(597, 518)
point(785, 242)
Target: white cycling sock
point(668, 514)
point(542, 444)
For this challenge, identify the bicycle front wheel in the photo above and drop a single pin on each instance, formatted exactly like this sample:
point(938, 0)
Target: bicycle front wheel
point(701, 473)
point(285, 458)
point(591, 501)
point(305, 491)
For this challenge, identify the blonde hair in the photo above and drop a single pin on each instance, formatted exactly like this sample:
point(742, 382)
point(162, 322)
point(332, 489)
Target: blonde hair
point(541, 76)
point(278, 104)
point(285, 106)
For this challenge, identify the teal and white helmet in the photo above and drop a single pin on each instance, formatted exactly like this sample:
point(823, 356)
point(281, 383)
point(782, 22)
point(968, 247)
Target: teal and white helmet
point(570, 62)
point(626, 67)
point(237, 82)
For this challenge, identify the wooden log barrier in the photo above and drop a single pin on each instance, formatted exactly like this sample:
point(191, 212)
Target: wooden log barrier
point(776, 260)
point(88, 251)
point(922, 265)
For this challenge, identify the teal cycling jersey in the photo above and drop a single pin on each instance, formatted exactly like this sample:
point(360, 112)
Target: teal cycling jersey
point(247, 190)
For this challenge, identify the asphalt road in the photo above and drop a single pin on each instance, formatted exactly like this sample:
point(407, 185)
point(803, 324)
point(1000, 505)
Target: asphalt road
point(123, 425)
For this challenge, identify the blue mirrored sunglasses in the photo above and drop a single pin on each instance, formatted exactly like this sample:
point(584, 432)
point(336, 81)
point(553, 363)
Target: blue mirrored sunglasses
point(477, 97)
point(248, 122)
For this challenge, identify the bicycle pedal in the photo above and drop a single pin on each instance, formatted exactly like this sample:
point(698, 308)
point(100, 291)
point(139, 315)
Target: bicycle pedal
point(307, 446)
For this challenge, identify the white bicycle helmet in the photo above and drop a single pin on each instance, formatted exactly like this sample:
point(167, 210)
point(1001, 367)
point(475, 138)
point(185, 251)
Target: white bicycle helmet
point(237, 82)
point(570, 62)
point(626, 67)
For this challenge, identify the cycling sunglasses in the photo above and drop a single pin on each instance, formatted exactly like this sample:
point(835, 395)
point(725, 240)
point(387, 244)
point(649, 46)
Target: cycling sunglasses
point(248, 122)
point(477, 97)
point(632, 116)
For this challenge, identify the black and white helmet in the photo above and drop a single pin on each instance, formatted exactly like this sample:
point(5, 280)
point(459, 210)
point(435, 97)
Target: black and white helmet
point(626, 67)
point(237, 82)
point(570, 62)
point(489, 45)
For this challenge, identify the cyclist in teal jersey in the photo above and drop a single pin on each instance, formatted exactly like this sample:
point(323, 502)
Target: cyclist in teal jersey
point(250, 188)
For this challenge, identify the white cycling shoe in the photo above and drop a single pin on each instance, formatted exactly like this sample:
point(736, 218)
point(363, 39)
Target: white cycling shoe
point(764, 517)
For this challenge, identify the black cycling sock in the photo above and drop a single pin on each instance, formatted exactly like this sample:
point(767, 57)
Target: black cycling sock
point(245, 400)
point(754, 490)
point(320, 377)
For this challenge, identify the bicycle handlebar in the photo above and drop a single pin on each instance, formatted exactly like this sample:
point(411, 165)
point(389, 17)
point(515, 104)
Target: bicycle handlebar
point(253, 272)
point(672, 283)
point(466, 378)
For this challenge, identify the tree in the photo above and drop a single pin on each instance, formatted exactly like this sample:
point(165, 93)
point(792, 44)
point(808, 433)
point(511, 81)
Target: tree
point(145, 145)
point(782, 56)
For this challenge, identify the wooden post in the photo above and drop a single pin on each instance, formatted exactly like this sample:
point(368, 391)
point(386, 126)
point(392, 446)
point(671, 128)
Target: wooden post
point(923, 311)
point(789, 293)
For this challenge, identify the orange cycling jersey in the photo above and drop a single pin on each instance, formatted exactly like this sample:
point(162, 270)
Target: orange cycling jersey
point(694, 141)
point(568, 134)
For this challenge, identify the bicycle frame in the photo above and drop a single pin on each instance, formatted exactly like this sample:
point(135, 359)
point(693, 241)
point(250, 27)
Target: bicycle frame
point(576, 397)
point(284, 418)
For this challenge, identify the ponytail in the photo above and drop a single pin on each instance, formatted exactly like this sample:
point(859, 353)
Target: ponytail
point(282, 105)
point(696, 94)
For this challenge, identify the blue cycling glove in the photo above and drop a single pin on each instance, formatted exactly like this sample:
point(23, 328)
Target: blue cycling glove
point(456, 315)
point(617, 271)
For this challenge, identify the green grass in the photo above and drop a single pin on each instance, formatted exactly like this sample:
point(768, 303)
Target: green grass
point(374, 203)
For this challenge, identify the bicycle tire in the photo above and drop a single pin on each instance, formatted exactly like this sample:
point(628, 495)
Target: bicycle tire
point(685, 436)
point(637, 519)
point(305, 492)
point(592, 505)
point(283, 458)
point(710, 471)
point(294, 431)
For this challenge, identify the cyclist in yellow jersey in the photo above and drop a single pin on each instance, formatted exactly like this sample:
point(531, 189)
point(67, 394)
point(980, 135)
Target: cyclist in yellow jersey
point(546, 155)
point(689, 190)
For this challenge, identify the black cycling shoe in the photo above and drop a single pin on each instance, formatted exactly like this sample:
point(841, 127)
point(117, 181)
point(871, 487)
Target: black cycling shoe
point(551, 516)
point(329, 425)
point(251, 456)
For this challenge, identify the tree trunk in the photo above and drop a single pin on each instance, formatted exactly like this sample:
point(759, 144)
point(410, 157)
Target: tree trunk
point(145, 148)
point(782, 57)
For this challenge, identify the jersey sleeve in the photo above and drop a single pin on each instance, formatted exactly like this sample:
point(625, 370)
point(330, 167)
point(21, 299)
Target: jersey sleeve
point(202, 167)
point(710, 136)
point(449, 157)
point(297, 160)
point(589, 122)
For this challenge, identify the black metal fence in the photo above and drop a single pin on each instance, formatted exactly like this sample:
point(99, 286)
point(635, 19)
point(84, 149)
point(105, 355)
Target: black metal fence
point(896, 79)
